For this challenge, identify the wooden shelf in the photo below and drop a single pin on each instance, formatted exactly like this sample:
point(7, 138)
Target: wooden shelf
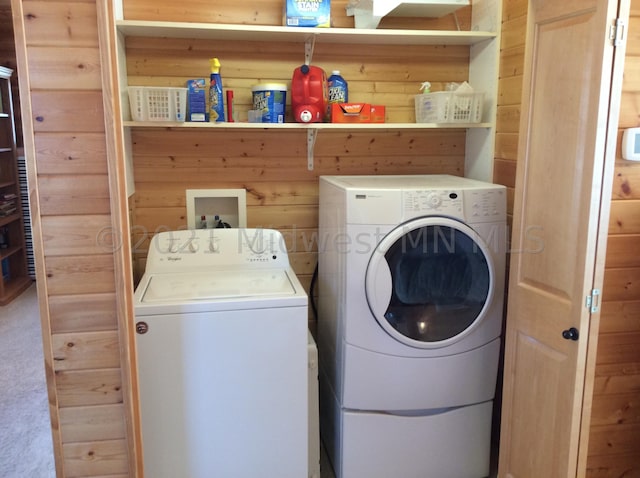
point(14, 287)
point(217, 31)
point(482, 38)
point(9, 251)
point(4, 220)
point(14, 257)
point(302, 126)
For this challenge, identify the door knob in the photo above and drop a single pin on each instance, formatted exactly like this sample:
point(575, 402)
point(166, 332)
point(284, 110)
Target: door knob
point(571, 334)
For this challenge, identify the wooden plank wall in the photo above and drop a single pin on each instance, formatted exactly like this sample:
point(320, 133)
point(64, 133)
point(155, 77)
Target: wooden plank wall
point(615, 422)
point(271, 166)
point(514, 24)
point(69, 189)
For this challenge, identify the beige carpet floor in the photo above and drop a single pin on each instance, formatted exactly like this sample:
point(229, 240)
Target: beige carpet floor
point(25, 430)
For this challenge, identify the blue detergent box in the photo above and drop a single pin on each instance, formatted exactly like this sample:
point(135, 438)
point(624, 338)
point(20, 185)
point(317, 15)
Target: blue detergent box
point(308, 13)
point(197, 100)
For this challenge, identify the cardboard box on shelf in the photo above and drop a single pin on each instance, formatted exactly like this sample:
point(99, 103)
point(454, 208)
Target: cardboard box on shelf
point(350, 113)
point(307, 13)
point(378, 113)
point(357, 113)
point(197, 100)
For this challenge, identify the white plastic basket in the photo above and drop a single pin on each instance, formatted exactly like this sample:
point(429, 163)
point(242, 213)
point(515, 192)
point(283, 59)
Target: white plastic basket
point(152, 103)
point(449, 107)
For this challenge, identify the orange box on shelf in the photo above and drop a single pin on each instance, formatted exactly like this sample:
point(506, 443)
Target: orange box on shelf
point(350, 113)
point(378, 113)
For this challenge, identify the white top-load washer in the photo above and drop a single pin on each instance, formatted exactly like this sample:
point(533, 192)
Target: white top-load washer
point(222, 353)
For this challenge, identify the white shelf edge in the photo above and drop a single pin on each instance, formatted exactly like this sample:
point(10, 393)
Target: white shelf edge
point(301, 126)
point(218, 31)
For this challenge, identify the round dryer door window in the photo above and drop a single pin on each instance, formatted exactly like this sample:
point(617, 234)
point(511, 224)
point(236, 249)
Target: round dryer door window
point(430, 281)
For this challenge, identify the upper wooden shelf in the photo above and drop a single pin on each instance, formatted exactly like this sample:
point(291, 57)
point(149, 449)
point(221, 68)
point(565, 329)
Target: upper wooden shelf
point(217, 31)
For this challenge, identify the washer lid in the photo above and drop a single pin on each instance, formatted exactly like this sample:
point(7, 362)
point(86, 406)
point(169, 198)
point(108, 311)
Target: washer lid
point(219, 284)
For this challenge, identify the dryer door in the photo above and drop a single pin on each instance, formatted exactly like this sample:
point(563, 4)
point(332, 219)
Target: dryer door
point(430, 282)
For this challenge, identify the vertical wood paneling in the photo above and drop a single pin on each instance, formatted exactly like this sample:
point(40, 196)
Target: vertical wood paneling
point(514, 16)
point(70, 195)
point(615, 429)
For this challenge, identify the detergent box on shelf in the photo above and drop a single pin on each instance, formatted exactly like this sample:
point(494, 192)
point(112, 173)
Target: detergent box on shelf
point(307, 13)
point(197, 99)
point(378, 113)
point(357, 113)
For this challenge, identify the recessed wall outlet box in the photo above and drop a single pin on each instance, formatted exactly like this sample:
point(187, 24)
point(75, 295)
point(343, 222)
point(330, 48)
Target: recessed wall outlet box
point(228, 205)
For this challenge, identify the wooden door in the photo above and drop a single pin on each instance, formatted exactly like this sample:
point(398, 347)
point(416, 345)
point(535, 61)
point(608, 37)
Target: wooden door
point(565, 162)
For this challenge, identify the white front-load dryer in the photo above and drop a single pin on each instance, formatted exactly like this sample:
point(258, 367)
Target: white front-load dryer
point(410, 300)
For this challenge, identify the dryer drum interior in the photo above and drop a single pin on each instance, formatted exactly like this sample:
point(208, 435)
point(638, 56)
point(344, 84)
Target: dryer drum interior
point(440, 280)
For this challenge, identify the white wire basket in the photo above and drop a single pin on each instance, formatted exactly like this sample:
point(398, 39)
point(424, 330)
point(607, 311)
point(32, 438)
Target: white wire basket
point(449, 107)
point(151, 103)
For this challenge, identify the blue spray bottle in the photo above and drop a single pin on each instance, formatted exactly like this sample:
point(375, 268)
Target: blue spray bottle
point(216, 99)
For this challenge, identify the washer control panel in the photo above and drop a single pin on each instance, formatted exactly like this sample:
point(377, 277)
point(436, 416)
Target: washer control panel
point(216, 248)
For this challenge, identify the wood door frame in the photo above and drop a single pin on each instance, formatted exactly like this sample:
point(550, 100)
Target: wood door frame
point(608, 173)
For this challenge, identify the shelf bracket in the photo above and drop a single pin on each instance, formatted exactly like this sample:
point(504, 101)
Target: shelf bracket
point(309, 45)
point(312, 133)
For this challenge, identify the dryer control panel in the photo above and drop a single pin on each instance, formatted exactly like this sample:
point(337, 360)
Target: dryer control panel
point(418, 202)
point(477, 205)
point(485, 205)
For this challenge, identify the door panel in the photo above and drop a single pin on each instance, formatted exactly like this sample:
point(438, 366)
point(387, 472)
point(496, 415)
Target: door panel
point(561, 162)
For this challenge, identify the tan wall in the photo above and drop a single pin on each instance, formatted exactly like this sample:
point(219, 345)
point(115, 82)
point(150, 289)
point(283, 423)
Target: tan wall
point(615, 422)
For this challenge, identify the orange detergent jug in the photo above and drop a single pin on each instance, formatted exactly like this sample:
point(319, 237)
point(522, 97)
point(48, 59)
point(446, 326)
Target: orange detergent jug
point(309, 94)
